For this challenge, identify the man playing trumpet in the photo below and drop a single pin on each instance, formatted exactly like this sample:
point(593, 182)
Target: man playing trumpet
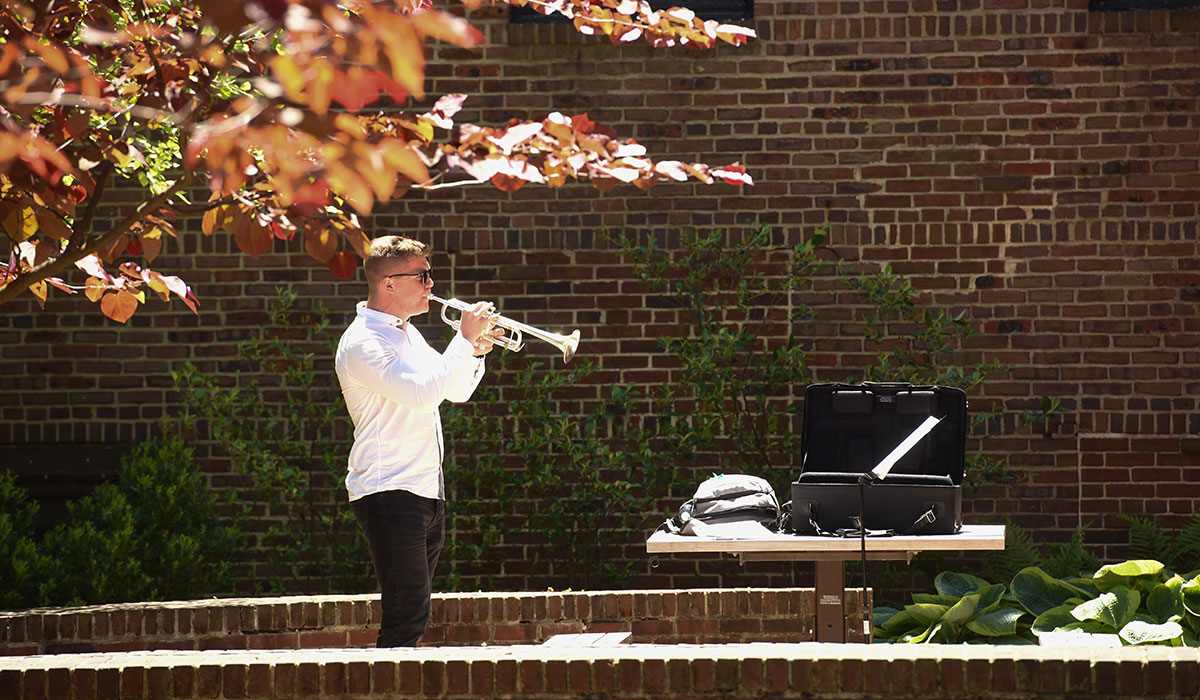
point(393, 383)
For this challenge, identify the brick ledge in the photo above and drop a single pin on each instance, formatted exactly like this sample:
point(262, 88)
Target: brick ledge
point(810, 670)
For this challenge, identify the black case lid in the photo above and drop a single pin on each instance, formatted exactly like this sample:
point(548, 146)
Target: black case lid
point(850, 428)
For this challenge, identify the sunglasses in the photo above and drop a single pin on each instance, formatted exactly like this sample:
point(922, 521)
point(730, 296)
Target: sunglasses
point(424, 275)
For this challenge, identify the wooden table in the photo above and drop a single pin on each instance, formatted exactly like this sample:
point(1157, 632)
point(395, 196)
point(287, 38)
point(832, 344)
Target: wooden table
point(829, 555)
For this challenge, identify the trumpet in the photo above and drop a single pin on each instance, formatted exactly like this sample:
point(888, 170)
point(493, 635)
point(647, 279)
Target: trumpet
point(515, 331)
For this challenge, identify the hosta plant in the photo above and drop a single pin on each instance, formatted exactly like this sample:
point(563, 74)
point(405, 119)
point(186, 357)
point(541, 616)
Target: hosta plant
point(1135, 602)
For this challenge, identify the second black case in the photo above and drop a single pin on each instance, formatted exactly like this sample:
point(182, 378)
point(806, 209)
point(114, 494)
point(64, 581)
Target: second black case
point(850, 428)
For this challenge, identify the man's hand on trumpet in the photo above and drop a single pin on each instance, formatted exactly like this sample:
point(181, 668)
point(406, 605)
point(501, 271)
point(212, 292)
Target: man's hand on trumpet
point(477, 326)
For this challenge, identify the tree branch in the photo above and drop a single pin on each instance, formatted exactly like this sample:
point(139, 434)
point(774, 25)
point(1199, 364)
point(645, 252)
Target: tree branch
point(27, 279)
point(79, 231)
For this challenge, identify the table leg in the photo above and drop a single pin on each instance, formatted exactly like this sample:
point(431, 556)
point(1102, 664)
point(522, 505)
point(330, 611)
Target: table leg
point(830, 590)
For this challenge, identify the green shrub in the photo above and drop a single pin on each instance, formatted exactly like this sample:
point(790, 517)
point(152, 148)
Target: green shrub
point(20, 561)
point(151, 535)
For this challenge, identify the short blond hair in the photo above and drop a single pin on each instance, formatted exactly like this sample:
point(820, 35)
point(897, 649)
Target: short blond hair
point(386, 249)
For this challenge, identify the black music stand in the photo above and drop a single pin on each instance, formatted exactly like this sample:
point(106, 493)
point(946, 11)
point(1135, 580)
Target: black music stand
point(868, 478)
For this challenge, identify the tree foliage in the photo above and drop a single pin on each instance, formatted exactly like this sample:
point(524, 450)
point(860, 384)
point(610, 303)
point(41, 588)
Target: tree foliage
point(296, 116)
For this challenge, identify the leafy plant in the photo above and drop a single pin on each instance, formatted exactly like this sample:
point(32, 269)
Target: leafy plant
point(734, 389)
point(282, 435)
point(1135, 602)
point(917, 344)
point(730, 407)
point(1067, 559)
point(1177, 550)
point(154, 534)
point(20, 560)
point(582, 482)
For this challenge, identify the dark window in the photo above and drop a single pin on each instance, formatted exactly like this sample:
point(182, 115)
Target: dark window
point(1117, 5)
point(721, 10)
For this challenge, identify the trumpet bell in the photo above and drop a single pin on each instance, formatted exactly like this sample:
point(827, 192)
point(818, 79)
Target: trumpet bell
point(568, 345)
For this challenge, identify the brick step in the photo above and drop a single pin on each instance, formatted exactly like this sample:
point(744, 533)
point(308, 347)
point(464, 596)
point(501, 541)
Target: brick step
point(300, 622)
point(810, 670)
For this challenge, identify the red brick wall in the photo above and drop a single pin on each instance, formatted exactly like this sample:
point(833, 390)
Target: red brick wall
point(1028, 161)
point(693, 616)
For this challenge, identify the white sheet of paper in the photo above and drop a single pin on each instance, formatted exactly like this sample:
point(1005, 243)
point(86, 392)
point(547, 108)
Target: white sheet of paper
point(881, 470)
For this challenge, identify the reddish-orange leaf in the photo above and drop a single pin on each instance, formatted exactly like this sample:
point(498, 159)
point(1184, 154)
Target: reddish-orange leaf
point(114, 249)
point(355, 88)
point(213, 219)
point(57, 283)
point(320, 243)
point(52, 225)
point(448, 28)
point(398, 156)
point(151, 243)
point(54, 58)
point(95, 288)
point(347, 184)
point(359, 241)
point(252, 238)
point(405, 52)
point(134, 247)
point(343, 265)
point(155, 281)
point(320, 86)
point(582, 124)
point(507, 183)
point(39, 290)
point(290, 77)
point(282, 233)
point(119, 306)
point(20, 224)
point(309, 198)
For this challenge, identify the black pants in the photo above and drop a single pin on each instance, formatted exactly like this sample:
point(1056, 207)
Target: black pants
point(405, 533)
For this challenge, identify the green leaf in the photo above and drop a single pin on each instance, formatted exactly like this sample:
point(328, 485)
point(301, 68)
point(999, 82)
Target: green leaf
point(1114, 608)
point(899, 623)
point(1191, 596)
point(926, 613)
point(946, 600)
point(991, 597)
point(1086, 585)
point(1038, 592)
point(997, 623)
point(1123, 574)
point(1141, 632)
point(1053, 619)
point(950, 583)
point(942, 633)
point(881, 614)
point(962, 611)
point(1166, 600)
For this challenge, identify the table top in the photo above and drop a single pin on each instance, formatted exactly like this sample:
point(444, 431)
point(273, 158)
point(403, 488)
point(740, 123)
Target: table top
point(971, 537)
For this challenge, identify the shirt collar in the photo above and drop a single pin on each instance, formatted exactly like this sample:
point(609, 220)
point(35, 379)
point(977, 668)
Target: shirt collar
point(380, 317)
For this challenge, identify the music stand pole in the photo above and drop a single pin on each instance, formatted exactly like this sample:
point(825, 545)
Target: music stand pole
point(879, 473)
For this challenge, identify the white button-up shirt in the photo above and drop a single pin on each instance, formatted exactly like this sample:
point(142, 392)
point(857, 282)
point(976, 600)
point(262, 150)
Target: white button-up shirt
point(393, 383)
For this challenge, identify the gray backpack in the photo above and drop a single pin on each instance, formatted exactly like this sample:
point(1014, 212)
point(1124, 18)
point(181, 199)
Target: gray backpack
point(727, 498)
